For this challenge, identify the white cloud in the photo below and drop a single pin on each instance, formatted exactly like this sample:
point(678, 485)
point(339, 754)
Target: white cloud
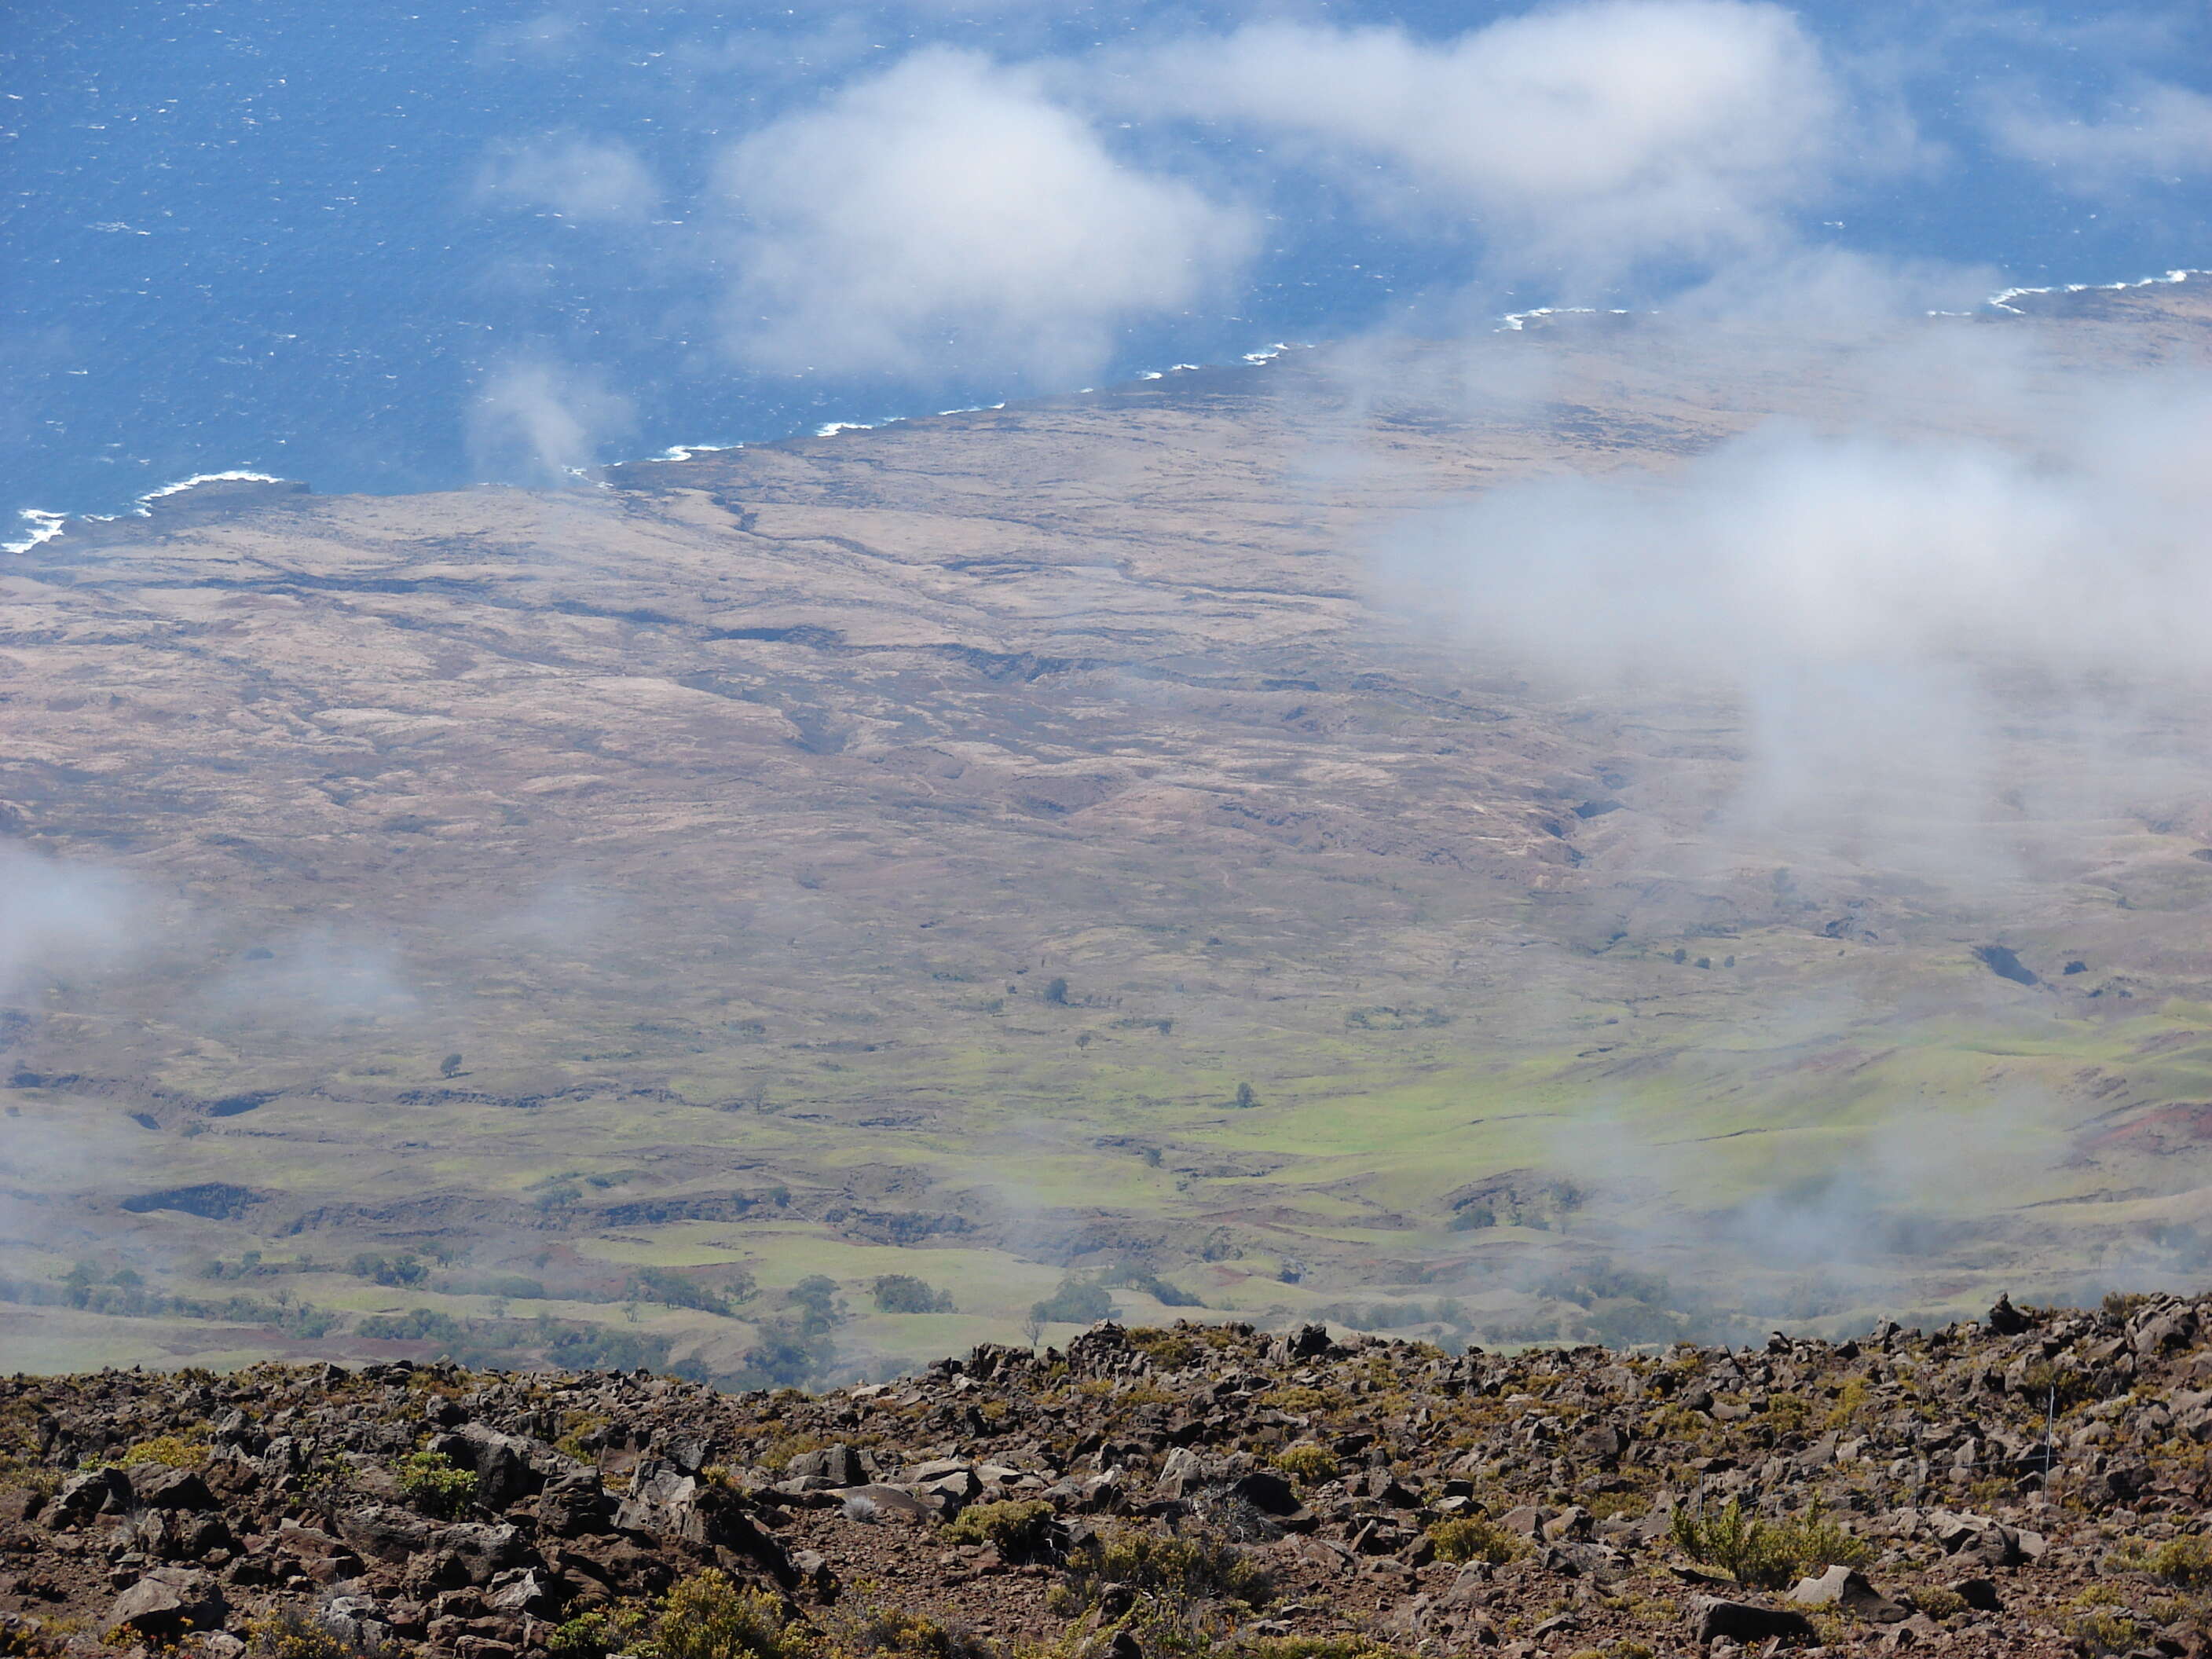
point(541, 423)
point(947, 211)
point(580, 178)
point(1886, 605)
point(1590, 138)
point(2157, 132)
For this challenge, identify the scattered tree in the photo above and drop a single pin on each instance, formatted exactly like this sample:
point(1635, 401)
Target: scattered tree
point(902, 1293)
point(1077, 1302)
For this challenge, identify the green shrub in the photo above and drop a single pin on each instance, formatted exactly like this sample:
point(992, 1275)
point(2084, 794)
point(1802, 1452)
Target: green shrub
point(1318, 1647)
point(1021, 1531)
point(1306, 1461)
point(1763, 1554)
point(429, 1481)
point(707, 1616)
point(1473, 1538)
point(289, 1633)
point(856, 1632)
point(2099, 1632)
point(586, 1637)
point(1183, 1569)
point(1936, 1602)
point(2185, 1562)
point(173, 1450)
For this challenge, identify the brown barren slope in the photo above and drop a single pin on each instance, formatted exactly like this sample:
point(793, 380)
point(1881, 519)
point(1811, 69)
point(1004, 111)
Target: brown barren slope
point(890, 853)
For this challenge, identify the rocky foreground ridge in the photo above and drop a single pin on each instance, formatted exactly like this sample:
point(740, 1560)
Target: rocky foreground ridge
point(2033, 1484)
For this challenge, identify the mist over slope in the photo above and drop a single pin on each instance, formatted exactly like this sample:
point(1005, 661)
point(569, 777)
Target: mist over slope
point(1619, 828)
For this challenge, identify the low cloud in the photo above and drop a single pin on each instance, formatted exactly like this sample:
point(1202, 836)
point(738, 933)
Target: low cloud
point(2079, 553)
point(58, 916)
point(1587, 140)
point(1882, 604)
point(949, 213)
point(543, 424)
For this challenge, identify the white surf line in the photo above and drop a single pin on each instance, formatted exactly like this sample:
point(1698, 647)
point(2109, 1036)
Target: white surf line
point(1514, 321)
point(2003, 301)
point(831, 429)
point(45, 525)
point(685, 452)
point(145, 502)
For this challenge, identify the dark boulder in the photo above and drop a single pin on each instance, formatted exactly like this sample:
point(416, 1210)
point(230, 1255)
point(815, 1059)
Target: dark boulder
point(1744, 1621)
point(155, 1487)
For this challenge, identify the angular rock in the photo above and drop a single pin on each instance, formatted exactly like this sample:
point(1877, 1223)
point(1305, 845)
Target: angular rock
point(838, 1465)
point(1849, 1590)
point(95, 1491)
point(573, 1506)
point(385, 1533)
point(165, 1604)
point(484, 1550)
point(504, 1463)
point(152, 1487)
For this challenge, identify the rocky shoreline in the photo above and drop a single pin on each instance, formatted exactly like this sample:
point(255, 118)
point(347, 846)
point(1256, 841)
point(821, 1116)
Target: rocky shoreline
point(2034, 1483)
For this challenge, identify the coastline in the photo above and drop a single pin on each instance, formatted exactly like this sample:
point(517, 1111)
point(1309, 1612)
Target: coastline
point(46, 524)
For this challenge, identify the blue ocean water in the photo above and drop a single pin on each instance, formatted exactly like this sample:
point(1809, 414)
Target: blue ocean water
point(243, 233)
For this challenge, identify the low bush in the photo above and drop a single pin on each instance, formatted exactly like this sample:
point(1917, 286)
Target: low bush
point(1319, 1647)
point(1306, 1461)
point(288, 1633)
point(172, 1450)
point(589, 1635)
point(1765, 1554)
point(429, 1481)
point(2183, 1562)
point(707, 1616)
point(1021, 1531)
point(1474, 1538)
point(1936, 1602)
point(2102, 1633)
point(1182, 1569)
point(869, 1630)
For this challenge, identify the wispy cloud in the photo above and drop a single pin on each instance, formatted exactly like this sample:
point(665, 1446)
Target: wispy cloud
point(57, 914)
point(544, 423)
point(2156, 132)
point(578, 177)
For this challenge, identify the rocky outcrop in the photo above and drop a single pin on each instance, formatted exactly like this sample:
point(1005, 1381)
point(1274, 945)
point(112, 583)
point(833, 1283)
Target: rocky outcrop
point(2036, 1484)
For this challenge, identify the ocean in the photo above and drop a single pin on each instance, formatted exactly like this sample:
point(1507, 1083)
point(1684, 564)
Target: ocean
point(249, 236)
